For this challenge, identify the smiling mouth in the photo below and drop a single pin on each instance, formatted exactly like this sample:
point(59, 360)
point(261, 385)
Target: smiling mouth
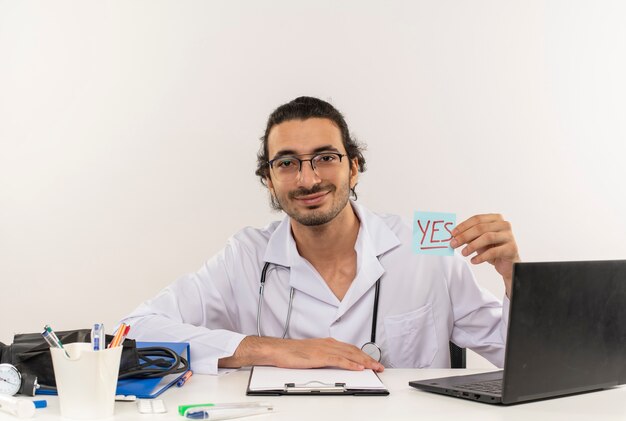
point(312, 199)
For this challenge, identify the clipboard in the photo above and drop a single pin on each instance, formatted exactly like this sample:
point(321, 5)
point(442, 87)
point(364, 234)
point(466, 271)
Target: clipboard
point(274, 381)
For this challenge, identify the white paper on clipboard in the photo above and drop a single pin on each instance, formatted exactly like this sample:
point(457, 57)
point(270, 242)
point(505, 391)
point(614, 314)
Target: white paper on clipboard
point(273, 378)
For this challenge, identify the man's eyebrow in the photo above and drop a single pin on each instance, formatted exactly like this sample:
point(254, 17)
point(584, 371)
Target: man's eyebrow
point(325, 148)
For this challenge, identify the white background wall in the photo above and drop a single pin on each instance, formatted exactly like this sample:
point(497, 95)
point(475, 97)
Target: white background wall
point(128, 130)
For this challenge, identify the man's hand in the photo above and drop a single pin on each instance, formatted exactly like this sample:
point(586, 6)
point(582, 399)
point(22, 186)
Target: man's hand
point(491, 237)
point(299, 353)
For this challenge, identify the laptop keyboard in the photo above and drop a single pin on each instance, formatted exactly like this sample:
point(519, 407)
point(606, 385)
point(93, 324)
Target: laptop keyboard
point(488, 386)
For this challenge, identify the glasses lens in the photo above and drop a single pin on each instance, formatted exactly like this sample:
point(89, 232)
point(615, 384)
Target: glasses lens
point(326, 163)
point(286, 168)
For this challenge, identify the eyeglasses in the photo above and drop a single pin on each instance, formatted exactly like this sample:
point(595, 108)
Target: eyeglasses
point(324, 164)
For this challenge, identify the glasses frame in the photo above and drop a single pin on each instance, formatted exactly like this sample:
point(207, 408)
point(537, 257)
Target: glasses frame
point(310, 160)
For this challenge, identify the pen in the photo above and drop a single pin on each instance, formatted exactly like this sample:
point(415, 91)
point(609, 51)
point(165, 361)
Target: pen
point(239, 405)
point(120, 341)
point(126, 333)
point(53, 335)
point(120, 335)
point(52, 339)
point(97, 337)
point(116, 335)
point(49, 339)
point(221, 413)
point(181, 382)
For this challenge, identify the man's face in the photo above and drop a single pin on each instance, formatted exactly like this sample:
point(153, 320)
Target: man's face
point(307, 197)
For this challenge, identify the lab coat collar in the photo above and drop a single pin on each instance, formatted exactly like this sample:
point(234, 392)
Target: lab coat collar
point(280, 244)
point(281, 248)
point(374, 239)
point(378, 236)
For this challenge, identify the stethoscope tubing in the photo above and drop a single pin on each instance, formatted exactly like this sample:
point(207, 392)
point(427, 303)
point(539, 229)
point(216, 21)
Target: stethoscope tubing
point(375, 315)
point(290, 307)
point(260, 306)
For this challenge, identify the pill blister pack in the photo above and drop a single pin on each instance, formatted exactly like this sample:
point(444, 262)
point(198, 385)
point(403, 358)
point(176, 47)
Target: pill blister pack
point(151, 406)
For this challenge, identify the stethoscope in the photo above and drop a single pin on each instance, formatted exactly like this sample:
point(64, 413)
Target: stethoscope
point(370, 348)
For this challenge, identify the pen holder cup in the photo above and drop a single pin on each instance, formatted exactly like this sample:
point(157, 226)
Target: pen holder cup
point(86, 381)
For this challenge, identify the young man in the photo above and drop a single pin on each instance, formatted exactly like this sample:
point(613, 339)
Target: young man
point(335, 275)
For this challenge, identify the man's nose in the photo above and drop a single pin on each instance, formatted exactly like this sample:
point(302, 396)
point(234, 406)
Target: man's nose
point(307, 176)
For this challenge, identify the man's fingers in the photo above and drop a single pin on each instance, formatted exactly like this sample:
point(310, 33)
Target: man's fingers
point(476, 231)
point(475, 220)
point(345, 363)
point(358, 357)
point(486, 240)
point(491, 254)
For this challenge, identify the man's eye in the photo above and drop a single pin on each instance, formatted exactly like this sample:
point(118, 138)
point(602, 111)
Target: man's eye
point(286, 163)
point(327, 158)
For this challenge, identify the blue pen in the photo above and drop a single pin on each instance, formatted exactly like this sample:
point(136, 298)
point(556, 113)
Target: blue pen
point(181, 382)
point(97, 337)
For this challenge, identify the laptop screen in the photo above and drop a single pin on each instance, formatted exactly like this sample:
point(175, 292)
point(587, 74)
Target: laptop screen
point(567, 329)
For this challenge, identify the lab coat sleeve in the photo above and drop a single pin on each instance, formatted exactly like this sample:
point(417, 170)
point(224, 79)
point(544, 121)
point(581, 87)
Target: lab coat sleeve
point(480, 320)
point(198, 308)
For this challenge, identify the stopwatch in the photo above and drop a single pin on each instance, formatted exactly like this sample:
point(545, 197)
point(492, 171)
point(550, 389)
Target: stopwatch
point(10, 379)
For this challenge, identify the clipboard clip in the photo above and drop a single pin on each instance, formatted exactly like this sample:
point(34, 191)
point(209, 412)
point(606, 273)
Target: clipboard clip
point(315, 386)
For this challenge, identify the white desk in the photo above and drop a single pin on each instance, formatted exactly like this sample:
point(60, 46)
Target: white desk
point(403, 403)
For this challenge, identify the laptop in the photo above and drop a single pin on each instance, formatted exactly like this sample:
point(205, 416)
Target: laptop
point(566, 335)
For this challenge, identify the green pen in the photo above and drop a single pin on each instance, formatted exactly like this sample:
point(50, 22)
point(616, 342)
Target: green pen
point(52, 339)
point(240, 405)
point(183, 408)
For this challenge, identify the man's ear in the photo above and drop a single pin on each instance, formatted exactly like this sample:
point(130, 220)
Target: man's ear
point(270, 185)
point(354, 172)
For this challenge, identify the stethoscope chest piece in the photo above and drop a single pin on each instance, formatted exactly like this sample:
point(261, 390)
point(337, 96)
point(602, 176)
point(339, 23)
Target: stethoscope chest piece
point(373, 350)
